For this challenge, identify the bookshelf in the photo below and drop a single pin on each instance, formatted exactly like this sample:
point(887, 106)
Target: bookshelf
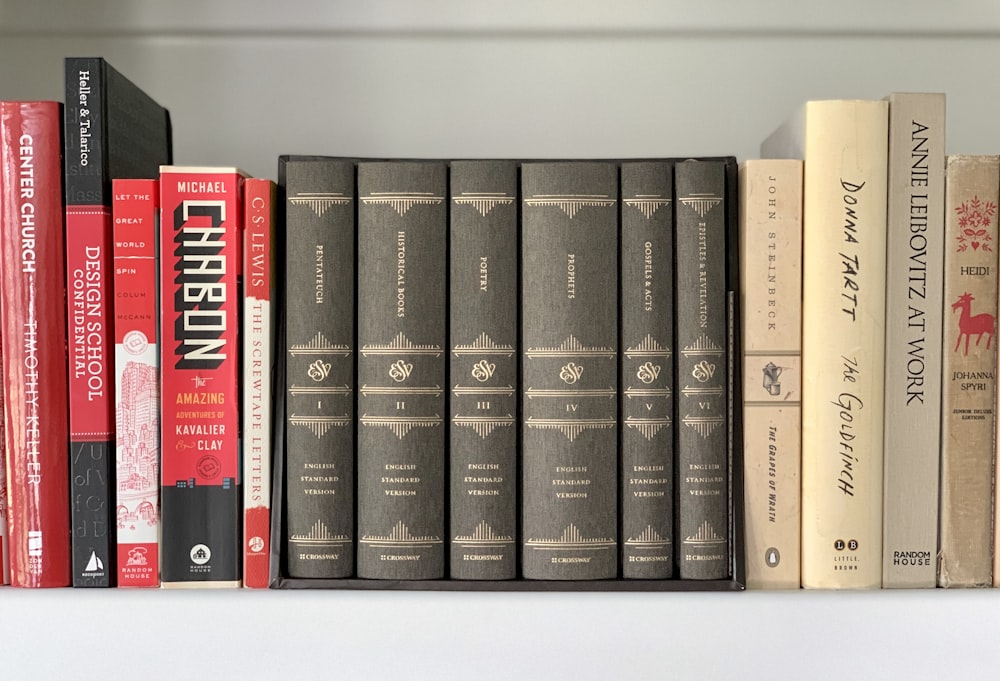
point(248, 80)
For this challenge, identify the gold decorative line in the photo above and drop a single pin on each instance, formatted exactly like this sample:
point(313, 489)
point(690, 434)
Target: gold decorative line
point(483, 345)
point(400, 536)
point(571, 428)
point(706, 534)
point(702, 346)
point(571, 203)
point(401, 425)
point(400, 345)
point(484, 535)
point(648, 536)
point(689, 391)
point(483, 425)
point(649, 347)
point(320, 202)
point(647, 392)
point(483, 202)
point(473, 390)
point(571, 538)
point(703, 425)
point(569, 392)
point(647, 204)
point(297, 390)
point(571, 347)
point(319, 345)
point(320, 425)
point(649, 427)
point(367, 390)
point(402, 202)
point(701, 203)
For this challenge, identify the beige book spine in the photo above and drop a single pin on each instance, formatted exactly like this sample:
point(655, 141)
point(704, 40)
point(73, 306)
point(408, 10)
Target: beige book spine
point(914, 265)
point(771, 286)
point(972, 185)
point(845, 148)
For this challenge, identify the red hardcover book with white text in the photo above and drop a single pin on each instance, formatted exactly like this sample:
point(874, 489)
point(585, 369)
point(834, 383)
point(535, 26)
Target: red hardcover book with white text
point(135, 211)
point(33, 338)
point(259, 283)
point(200, 266)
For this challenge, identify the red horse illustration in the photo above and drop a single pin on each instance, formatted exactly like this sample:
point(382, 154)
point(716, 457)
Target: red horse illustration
point(972, 325)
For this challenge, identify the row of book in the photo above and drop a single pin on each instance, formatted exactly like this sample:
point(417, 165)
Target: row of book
point(473, 384)
point(869, 393)
point(515, 321)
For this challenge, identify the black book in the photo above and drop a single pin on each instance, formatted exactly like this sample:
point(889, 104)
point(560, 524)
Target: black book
point(569, 379)
point(112, 129)
point(702, 431)
point(483, 310)
point(647, 371)
point(319, 305)
point(402, 337)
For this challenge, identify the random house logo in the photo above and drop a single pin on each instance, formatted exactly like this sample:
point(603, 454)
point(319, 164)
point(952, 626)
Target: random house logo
point(137, 556)
point(200, 557)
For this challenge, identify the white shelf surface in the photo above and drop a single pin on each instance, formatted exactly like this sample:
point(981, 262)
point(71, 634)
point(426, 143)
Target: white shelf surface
point(63, 634)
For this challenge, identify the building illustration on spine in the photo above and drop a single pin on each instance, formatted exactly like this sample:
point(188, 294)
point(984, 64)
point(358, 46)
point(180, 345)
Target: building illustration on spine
point(138, 446)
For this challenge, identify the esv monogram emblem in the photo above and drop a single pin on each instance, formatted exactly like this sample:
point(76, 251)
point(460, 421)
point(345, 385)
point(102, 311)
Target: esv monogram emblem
point(703, 371)
point(399, 371)
point(648, 372)
point(319, 370)
point(482, 371)
point(571, 373)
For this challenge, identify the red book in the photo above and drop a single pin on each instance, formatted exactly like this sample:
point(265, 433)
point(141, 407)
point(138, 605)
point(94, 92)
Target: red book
point(4, 537)
point(259, 283)
point(33, 340)
point(200, 266)
point(136, 210)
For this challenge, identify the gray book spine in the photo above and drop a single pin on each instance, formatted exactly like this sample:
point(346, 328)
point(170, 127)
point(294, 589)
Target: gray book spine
point(402, 322)
point(483, 309)
point(913, 339)
point(320, 390)
point(647, 371)
point(569, 341)
point(702, 333)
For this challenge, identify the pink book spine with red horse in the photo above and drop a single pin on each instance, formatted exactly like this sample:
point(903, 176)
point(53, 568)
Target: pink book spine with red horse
point(969, 370)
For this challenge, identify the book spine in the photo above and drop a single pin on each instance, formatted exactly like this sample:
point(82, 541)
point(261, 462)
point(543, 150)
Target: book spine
point(201, 254)
point(89, 319)
point(914, 307)
point(969, 371)
point(702, 339)
point(33, 319)
point(569, 375)
point(483, 306)
point(136, 217)
point(771, 284)
point(647, 370)
point(402, 322)
point(843, 342)
point(4, 533)
point(320, 281)
point(259, 286)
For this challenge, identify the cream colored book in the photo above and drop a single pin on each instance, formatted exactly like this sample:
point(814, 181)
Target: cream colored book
point(972, 184)
point(913, 310)
point(771, 288)
point(844, 144)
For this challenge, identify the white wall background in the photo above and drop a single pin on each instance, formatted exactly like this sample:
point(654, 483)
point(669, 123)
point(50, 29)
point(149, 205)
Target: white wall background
point(247, 80)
